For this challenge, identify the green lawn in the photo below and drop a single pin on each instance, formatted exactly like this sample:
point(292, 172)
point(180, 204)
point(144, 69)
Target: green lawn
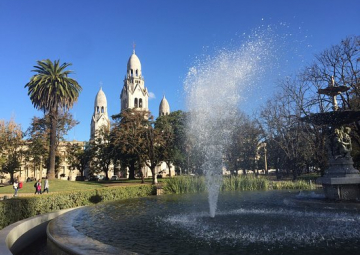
point(55, 186)
point(64, 185)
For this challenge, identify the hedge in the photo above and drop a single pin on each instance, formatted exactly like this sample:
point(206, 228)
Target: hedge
point(15, 209)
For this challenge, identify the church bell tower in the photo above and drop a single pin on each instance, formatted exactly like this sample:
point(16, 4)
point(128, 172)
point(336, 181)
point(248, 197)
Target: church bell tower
point(100, 117)
point(134, 94)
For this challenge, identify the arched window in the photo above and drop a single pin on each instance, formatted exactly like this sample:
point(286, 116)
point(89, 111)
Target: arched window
point(102, 109)
point(97, 109)
point(140, 103)
point(131, 73)
point(137, 73)
point(136, 103)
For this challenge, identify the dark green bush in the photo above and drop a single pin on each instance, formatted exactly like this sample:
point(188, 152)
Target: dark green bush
point(15, 209)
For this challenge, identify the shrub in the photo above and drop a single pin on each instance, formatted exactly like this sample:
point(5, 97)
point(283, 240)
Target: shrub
point(16, 209)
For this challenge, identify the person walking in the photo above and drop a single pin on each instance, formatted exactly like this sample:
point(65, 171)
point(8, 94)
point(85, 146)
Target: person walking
point(46, 186)
point(35, 186)
point(16, 187)
point(38, 187)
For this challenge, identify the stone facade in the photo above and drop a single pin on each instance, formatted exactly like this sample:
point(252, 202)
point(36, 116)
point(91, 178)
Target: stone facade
point(29, 170)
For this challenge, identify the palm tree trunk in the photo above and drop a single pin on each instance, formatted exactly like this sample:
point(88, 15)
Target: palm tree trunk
point(52, 154)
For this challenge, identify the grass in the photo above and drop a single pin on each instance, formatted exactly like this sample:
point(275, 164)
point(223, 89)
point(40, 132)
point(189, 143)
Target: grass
point(55, 186)
point(64, 185)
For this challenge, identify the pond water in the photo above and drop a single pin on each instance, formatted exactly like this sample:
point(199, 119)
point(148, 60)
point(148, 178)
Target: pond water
point(273, 222)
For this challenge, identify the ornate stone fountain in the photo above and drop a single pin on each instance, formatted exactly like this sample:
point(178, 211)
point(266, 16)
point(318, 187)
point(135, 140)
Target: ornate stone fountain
point(341, 180)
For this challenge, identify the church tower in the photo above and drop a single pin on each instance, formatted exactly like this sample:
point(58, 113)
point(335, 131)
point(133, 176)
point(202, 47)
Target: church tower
point(134, 95)
point(164, 108)
point(100, 117)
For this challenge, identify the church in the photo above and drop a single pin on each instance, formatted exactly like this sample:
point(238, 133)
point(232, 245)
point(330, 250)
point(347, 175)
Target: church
point(134, 95)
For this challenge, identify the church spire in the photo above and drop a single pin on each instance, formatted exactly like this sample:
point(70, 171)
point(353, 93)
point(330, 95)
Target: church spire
point(164, 108)
point(100, 118)
point(134, 93)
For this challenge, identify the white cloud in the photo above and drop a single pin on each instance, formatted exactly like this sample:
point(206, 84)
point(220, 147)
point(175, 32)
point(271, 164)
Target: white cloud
point(152, 95)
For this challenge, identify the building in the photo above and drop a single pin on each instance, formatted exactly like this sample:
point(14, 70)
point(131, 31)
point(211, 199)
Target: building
point(34, 171)
point(100, 118)
point(134, 95)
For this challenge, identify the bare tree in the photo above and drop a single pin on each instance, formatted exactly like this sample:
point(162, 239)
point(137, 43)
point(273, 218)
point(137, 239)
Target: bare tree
point(282, 126)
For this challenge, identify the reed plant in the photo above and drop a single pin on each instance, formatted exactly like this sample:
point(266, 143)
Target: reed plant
point(244, 182)
point(300, 184)
point(249, 182)
point(185, 184)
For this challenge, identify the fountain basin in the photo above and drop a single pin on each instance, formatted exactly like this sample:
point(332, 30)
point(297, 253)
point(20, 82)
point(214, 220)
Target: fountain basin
point(16, 237)
point(273, 222)
point(334, 118)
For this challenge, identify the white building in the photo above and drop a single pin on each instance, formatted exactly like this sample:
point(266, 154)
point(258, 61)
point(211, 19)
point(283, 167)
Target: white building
point(134, 95)
point(100, 118)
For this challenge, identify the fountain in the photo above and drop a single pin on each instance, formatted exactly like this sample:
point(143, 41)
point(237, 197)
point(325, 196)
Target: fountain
point(272, 222)
point(341, 180)
point(214, 88)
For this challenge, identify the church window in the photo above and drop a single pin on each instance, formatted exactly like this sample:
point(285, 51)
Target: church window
point(102, 109)
point(140, 102)
point(137, 73)
point(97, 109)
point(131, 73)
point(136, 103)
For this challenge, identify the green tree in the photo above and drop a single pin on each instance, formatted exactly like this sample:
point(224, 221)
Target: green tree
point(243, 150)
point(102, 152)
point(136, 136)
point(79, 156)
point(50, 90)
point(38, 135)
point(10, 147)
point(126, 138)
point(152, 147)
point(173, 129)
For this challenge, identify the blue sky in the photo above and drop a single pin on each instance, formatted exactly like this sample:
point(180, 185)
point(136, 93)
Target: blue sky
point(170, 35)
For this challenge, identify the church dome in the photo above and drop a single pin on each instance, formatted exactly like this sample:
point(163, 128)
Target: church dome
point(100, 99)
point(164, 108)
point(134, 64)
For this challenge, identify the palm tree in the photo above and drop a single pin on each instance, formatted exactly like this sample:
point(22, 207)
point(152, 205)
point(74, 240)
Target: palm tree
point(49, 90)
